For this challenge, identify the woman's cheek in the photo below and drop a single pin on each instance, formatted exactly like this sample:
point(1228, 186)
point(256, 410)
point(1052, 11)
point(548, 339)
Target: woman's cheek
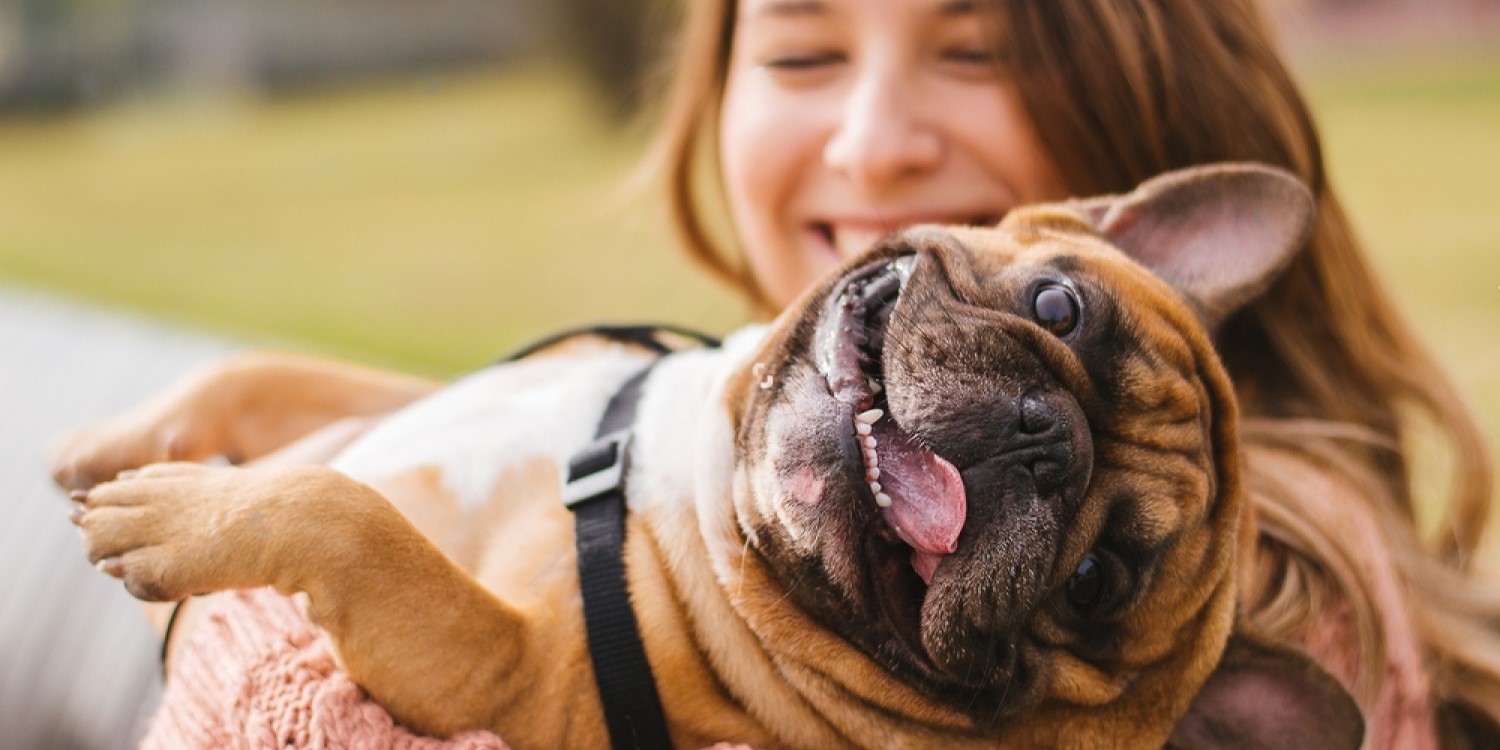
point(765, 143)
point(758, 138)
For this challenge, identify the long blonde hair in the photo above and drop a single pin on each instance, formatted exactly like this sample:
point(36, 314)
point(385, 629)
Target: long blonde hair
point(1323, 363)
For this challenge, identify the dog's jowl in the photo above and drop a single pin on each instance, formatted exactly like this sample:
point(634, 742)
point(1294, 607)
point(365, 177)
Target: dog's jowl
point(979, 489)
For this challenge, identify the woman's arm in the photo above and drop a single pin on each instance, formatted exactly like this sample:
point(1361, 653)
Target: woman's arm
point(241, 408)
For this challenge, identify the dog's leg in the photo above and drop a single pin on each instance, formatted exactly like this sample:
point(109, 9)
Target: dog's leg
point(241, 408)
point(374, 583)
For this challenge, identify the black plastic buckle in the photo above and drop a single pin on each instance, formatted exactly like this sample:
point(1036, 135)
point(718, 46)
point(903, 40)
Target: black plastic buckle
point(598, 469)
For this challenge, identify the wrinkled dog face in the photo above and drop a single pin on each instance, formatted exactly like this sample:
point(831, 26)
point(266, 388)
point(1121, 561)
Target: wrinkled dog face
point(1000, 462)
point(976, 462)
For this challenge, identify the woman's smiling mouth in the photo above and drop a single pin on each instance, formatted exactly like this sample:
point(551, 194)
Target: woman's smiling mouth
point(847, 237)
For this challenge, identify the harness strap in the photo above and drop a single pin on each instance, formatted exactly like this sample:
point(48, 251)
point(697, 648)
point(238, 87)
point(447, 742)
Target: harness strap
point(648, 336)
point(595, 492)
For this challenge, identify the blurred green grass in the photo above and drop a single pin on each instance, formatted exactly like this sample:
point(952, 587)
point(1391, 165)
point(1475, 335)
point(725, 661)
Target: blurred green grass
point(431, 223)
point(1413, 145)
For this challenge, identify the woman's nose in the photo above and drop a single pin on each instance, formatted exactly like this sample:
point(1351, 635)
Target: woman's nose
point(884, 135)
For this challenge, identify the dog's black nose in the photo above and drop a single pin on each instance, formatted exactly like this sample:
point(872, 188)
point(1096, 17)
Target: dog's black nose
point(1047, 442)
point(1037, 417)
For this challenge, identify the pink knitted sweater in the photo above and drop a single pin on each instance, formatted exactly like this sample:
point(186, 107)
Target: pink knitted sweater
point(256, 675)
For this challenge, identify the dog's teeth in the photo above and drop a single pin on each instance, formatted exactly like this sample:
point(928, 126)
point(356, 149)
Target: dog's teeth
point(875, 388)
point(870, 441)
point(872, 473)
point(862, 428)
point(875, 487)
point(870, 417)
point(883, 500)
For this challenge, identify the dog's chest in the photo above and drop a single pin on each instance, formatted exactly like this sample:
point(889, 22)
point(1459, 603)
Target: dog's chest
point(493, 420)
point(465, 462)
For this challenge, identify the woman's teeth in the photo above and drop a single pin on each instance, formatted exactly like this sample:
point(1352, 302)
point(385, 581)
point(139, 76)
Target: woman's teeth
point(850, 242)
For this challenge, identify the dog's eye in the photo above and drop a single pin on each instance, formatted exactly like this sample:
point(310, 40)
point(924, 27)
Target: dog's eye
point(1055, 308)
point(1085, 588)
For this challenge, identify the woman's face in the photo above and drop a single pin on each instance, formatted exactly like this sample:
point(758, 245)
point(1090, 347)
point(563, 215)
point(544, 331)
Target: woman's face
point(845, 119)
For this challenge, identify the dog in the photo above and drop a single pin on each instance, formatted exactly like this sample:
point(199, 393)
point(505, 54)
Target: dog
point(978, 489)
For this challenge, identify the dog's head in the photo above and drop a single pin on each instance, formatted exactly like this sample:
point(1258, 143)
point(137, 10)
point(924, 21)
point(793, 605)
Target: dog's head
point(1002, 464)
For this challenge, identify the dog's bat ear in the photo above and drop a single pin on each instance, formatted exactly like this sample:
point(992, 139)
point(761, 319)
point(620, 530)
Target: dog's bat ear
point(1219, 233)
point(1266, 695)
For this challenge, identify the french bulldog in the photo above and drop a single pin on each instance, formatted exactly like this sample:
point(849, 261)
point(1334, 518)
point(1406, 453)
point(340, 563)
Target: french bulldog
point(979, 488)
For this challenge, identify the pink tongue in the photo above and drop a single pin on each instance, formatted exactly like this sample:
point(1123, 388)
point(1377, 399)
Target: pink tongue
point(928, 504)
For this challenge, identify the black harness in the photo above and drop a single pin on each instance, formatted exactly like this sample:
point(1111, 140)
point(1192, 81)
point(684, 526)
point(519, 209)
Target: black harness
point(595, 492)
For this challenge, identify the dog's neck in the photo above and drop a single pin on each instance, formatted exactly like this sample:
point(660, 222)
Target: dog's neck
point(685, 502)
point(682, 411)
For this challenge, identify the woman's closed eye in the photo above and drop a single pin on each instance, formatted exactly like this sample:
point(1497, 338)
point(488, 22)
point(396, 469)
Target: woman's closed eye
point(970, 61)
point(803, 61)
point(970, 55)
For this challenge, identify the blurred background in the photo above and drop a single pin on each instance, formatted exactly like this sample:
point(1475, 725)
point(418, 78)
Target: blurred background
point(419, 184)
point(425, 185)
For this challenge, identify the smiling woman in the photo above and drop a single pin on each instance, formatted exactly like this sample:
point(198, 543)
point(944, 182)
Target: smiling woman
point(831, 118)
point(842, 122)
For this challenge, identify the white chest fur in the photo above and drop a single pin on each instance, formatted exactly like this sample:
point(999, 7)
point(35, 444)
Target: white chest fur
point(548, 407)
point(476, 428)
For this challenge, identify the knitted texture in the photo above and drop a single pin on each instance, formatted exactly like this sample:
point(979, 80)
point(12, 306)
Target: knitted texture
point(256, 674)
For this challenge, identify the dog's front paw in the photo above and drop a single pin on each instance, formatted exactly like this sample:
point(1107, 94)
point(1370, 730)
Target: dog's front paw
point(173, 530)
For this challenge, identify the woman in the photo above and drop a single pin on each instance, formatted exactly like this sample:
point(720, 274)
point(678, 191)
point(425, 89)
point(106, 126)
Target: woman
point(1112, 93)
point(836, 120)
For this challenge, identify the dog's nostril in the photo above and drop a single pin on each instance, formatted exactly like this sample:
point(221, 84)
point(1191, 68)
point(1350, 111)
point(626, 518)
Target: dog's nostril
point(1036, 416)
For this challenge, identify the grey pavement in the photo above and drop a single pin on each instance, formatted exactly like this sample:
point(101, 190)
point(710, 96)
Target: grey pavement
point(78, 664)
